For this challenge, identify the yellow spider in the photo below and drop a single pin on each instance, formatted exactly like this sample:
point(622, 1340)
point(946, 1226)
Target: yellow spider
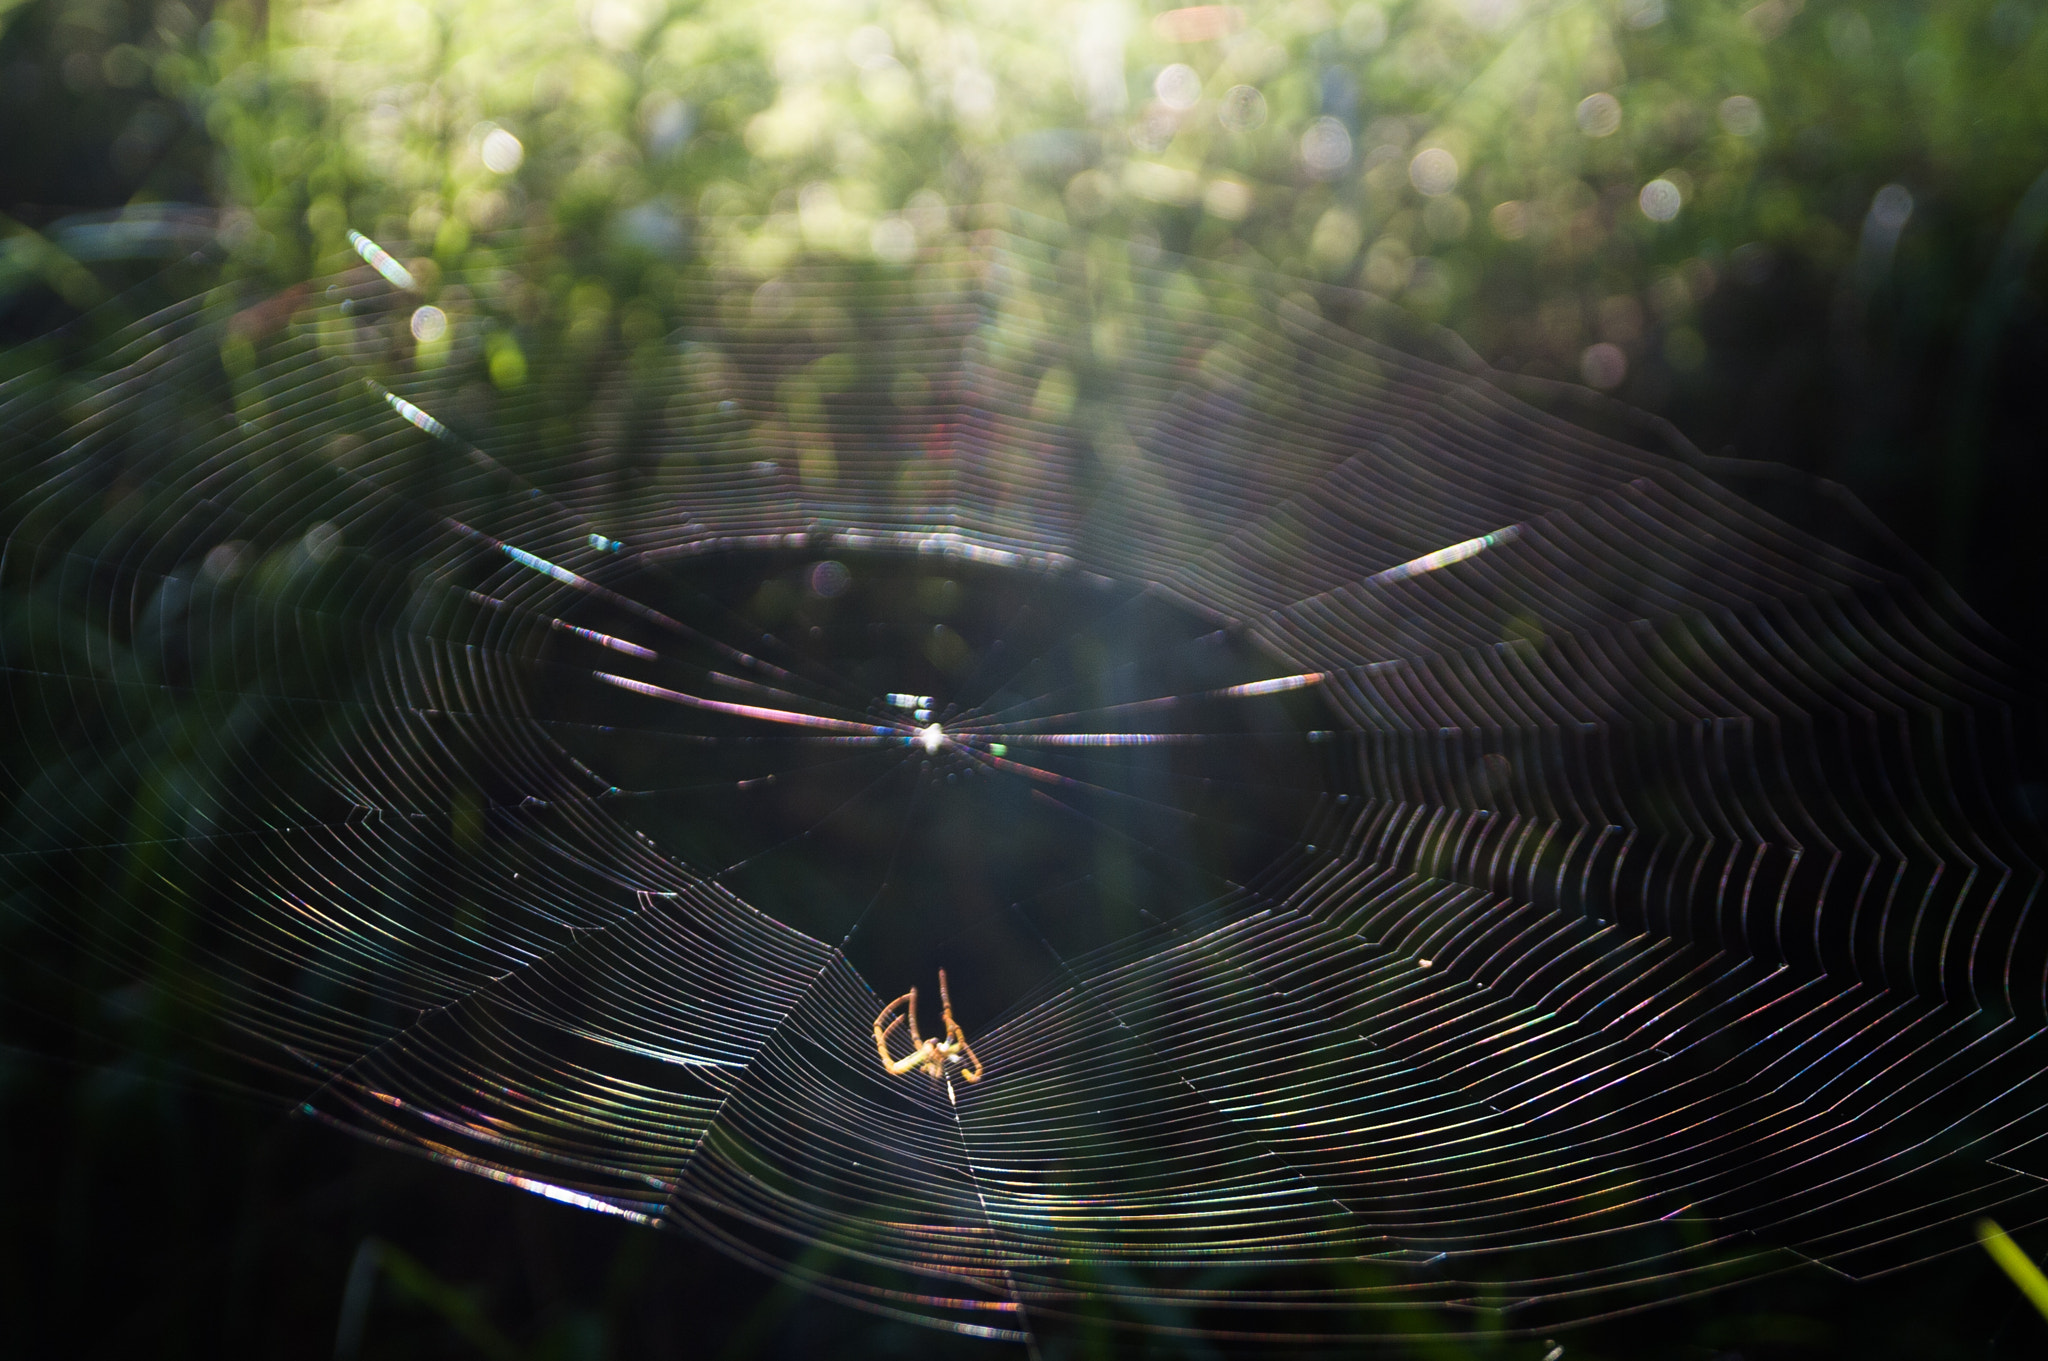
point(929, 1056)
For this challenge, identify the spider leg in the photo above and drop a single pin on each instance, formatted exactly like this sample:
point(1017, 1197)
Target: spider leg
point(972, 1071)
point(911, 1012)
point(956, 1038)
point(883, 1032)
point(929, 1056)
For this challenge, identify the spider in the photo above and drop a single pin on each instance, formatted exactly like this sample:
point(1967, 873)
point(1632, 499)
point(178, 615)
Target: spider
point(928, 1056)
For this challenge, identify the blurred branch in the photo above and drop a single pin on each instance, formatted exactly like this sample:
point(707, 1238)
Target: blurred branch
point(28, 253)
point(2013, 1260)
point(416, 1283)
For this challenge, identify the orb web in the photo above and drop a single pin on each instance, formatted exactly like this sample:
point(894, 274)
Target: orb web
point(1406, 861)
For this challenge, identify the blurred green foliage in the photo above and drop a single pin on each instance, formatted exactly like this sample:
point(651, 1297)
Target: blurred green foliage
point(1541, 176)
point(2012, 1259)
point(1801, 231)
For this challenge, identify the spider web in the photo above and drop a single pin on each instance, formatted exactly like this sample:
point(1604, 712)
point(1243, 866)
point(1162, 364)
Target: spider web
point(1406, 862)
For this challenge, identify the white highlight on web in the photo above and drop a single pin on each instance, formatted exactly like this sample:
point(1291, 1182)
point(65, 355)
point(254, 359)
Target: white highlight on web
point(1444, 557)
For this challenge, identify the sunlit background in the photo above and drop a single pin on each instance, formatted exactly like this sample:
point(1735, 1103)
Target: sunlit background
point(1710, 210)
point(1805, 234)
point(1802, 232)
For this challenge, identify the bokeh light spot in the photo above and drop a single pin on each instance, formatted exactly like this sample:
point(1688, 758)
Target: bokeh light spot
point(1243, 108)
point(893, 240)
point(1603, 365)
point(829, 579)
point(1890, 207)
point(1178, 87)
point(1434, 171)
point(1660, 200)
point(1741, 116)
point(1326, 147)
point(502, 152)
point(429, 324)
point(1599, 115)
